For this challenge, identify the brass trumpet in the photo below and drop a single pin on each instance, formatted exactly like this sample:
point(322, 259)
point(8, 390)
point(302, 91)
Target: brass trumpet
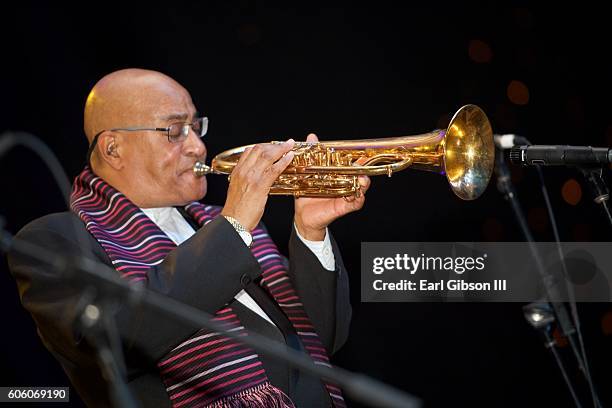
point(464, 152)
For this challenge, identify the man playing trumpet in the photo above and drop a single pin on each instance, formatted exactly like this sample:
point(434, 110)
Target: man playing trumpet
point(138, 204)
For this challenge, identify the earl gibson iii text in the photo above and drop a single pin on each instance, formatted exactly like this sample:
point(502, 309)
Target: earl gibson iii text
point(434, 274)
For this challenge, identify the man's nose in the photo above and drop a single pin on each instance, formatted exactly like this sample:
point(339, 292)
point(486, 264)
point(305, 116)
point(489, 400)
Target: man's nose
point(193, 145)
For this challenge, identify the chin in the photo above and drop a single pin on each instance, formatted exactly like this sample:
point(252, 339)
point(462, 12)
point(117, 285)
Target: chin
point(194, 191)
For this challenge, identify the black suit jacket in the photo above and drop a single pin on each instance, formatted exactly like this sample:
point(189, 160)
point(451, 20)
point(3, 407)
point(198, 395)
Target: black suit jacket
point(205, 272)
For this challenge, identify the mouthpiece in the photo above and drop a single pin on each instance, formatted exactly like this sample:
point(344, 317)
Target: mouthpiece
point(200, 169)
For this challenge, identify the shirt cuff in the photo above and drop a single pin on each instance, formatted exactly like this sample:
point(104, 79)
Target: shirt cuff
point(322, 249)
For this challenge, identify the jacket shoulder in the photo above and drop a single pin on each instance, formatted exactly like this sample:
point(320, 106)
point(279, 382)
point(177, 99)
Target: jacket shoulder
point(60, 231)
point(57, 222)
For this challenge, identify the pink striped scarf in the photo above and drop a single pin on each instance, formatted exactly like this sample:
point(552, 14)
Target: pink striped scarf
point(207, 369)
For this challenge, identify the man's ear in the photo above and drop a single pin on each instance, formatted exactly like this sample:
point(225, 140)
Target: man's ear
point(109, 150)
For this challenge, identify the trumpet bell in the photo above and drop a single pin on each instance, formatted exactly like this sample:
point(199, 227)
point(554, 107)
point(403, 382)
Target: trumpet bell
point(469, 152)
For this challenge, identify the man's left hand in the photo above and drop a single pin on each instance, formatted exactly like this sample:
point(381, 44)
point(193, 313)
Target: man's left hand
point(313, 215)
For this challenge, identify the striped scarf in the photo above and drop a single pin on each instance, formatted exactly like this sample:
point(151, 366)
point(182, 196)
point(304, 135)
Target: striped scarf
point(207, 369)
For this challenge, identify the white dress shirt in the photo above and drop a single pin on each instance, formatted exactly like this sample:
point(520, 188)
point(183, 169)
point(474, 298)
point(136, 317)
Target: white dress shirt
point(172, 223)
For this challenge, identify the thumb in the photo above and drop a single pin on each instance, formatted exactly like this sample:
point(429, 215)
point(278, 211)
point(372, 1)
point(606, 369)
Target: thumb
point(312, 138)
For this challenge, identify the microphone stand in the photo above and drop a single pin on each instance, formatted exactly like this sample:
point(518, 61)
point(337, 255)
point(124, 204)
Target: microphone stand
point(541, 317)
point(577, 156)
point(599, 189)
point(581, 356)
point(95, 320)
point(505, 186)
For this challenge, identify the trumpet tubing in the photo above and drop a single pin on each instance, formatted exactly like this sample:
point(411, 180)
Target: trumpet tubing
point(464, 152)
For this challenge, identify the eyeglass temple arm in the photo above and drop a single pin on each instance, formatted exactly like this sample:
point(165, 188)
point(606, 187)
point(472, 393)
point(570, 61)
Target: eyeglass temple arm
point(132, 129)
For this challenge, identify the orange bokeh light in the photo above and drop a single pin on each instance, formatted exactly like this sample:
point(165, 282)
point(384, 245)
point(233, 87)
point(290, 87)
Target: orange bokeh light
point(518, 93)
point(571, 192)
point(606, 323)
point(480, 52)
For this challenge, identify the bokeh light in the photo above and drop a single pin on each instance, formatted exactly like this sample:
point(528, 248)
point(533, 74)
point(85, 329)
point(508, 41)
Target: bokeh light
point(518, 93)
point(480, 52)
point(571, 192)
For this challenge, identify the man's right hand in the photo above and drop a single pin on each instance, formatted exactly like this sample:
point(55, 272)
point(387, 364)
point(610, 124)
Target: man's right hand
point(252, 178)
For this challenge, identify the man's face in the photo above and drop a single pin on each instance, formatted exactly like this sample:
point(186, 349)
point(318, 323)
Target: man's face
point(161, 171)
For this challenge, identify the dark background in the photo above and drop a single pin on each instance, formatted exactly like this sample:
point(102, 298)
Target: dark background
point(261, 71)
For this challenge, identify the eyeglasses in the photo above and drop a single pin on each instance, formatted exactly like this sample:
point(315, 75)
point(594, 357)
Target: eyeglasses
point(176, 132)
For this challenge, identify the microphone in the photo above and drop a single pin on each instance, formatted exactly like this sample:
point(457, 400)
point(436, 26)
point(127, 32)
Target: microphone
point(509, 140)
point(561, 155)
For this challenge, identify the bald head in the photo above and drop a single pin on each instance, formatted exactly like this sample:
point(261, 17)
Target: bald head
point(126, 109)
point(127, 98)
